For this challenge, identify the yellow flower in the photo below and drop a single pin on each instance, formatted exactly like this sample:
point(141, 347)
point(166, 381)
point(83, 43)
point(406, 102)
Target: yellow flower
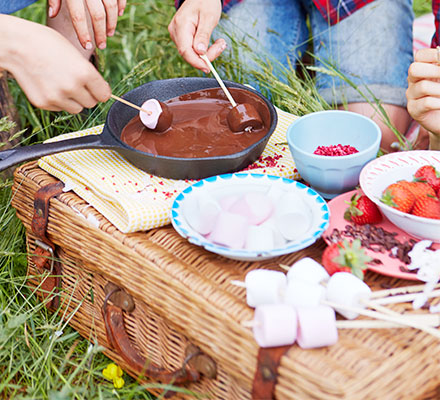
point(118, 382)
point(114, 373)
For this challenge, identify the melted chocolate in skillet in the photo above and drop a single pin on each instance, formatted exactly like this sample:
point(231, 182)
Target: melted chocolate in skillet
point(200, 128)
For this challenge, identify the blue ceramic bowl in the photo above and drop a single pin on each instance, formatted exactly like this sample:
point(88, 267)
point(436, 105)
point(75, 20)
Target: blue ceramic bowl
point(331, 176)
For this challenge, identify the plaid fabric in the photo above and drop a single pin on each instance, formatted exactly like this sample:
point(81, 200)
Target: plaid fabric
point(332, 10)
point(436, 11)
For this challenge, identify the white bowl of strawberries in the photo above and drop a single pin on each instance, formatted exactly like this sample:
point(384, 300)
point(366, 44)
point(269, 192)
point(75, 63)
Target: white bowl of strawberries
point(390, 182)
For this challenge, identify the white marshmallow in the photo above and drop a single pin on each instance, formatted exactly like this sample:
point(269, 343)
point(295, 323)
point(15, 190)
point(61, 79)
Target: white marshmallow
point(275, 192)
point(229, 230)
point(309, 270)
point(259, 238)
point(201, 212)
point(275, 325)
point(316, 327)
point(304, 294)
point(292, 216)
point(278, 238)
point(265, 286)
point(150, 119)
point(255, 206)
point(347, 290)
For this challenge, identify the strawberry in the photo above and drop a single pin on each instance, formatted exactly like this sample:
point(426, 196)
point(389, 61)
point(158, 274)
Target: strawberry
point(362, 210)
point(428, 174)
point(427, 207)
point(398, 196)
point(345, 256)
point(420, 189)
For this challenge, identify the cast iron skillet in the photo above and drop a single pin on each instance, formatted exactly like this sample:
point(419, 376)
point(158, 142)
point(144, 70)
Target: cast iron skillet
point(169, 167)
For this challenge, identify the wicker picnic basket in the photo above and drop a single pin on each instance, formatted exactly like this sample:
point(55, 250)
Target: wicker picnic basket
point(165, 309)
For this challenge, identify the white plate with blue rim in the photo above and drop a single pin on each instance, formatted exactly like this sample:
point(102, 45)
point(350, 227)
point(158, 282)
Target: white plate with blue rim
point(240, 183)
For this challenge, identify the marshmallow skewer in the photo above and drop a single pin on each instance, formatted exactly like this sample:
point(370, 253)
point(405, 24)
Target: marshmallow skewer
point(242, 117)
point(384, 317)
point(398, 291)
point(429, 320)
point(120, 99)
point(219, 80)
point(403, 298)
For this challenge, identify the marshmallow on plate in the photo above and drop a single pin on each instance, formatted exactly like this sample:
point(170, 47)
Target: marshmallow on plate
point(201, 212)
point(316, 327)
point(292, 216)
point(259, 238)
point(229, 230)
point(345, 289)
point(255, 206)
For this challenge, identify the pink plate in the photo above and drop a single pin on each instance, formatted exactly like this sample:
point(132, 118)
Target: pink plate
point(390, 266)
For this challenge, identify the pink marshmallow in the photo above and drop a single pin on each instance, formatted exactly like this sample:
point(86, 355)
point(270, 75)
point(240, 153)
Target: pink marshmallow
point(229, 230)
point(227, 201)
point(275, 325)
point(153, 107)
point(255, 206)
point(316, 327)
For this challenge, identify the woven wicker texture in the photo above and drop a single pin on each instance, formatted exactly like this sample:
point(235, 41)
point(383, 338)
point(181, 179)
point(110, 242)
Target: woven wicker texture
point(183, 295)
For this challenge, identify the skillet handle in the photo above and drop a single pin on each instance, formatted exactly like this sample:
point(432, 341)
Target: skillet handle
point(9, 158)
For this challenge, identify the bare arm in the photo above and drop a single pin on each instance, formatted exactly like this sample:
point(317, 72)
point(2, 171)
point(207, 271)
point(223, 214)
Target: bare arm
point(191, 30)
point(103, 14)
point(423, 93)
point(52, 73)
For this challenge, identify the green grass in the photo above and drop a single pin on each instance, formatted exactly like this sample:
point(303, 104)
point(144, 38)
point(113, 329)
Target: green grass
point(35, 363)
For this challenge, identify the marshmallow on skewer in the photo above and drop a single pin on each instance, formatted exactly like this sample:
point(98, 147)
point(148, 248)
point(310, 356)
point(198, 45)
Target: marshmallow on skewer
point(275, 325)
point(157, 116)
point(309, 270)
point(244, 117)
point(348, 291)
point(304, 294)
point(292, 216)
point(263, 286)
point(316, 327)
point(201, 212)
point(255, 206)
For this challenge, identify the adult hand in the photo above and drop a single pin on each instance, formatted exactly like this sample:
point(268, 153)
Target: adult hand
point(191, 28)
point(51, 72)
point(423, 93)
point(103, 15)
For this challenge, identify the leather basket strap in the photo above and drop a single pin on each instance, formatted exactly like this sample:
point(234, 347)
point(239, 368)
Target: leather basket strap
point(41, 210)
point(266, 374)
point(44, 255)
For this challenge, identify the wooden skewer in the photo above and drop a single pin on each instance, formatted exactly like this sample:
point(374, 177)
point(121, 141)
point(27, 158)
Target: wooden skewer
point(219, 80)
point(130, 104)
point(404, 298)
point(384, 317)
point(427, 320)
point(399, 291)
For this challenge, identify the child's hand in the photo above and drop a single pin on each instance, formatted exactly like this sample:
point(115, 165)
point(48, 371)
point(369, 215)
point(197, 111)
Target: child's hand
point(51, 72)
point(423, 92)
point(103, 14)
point(191, 29)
